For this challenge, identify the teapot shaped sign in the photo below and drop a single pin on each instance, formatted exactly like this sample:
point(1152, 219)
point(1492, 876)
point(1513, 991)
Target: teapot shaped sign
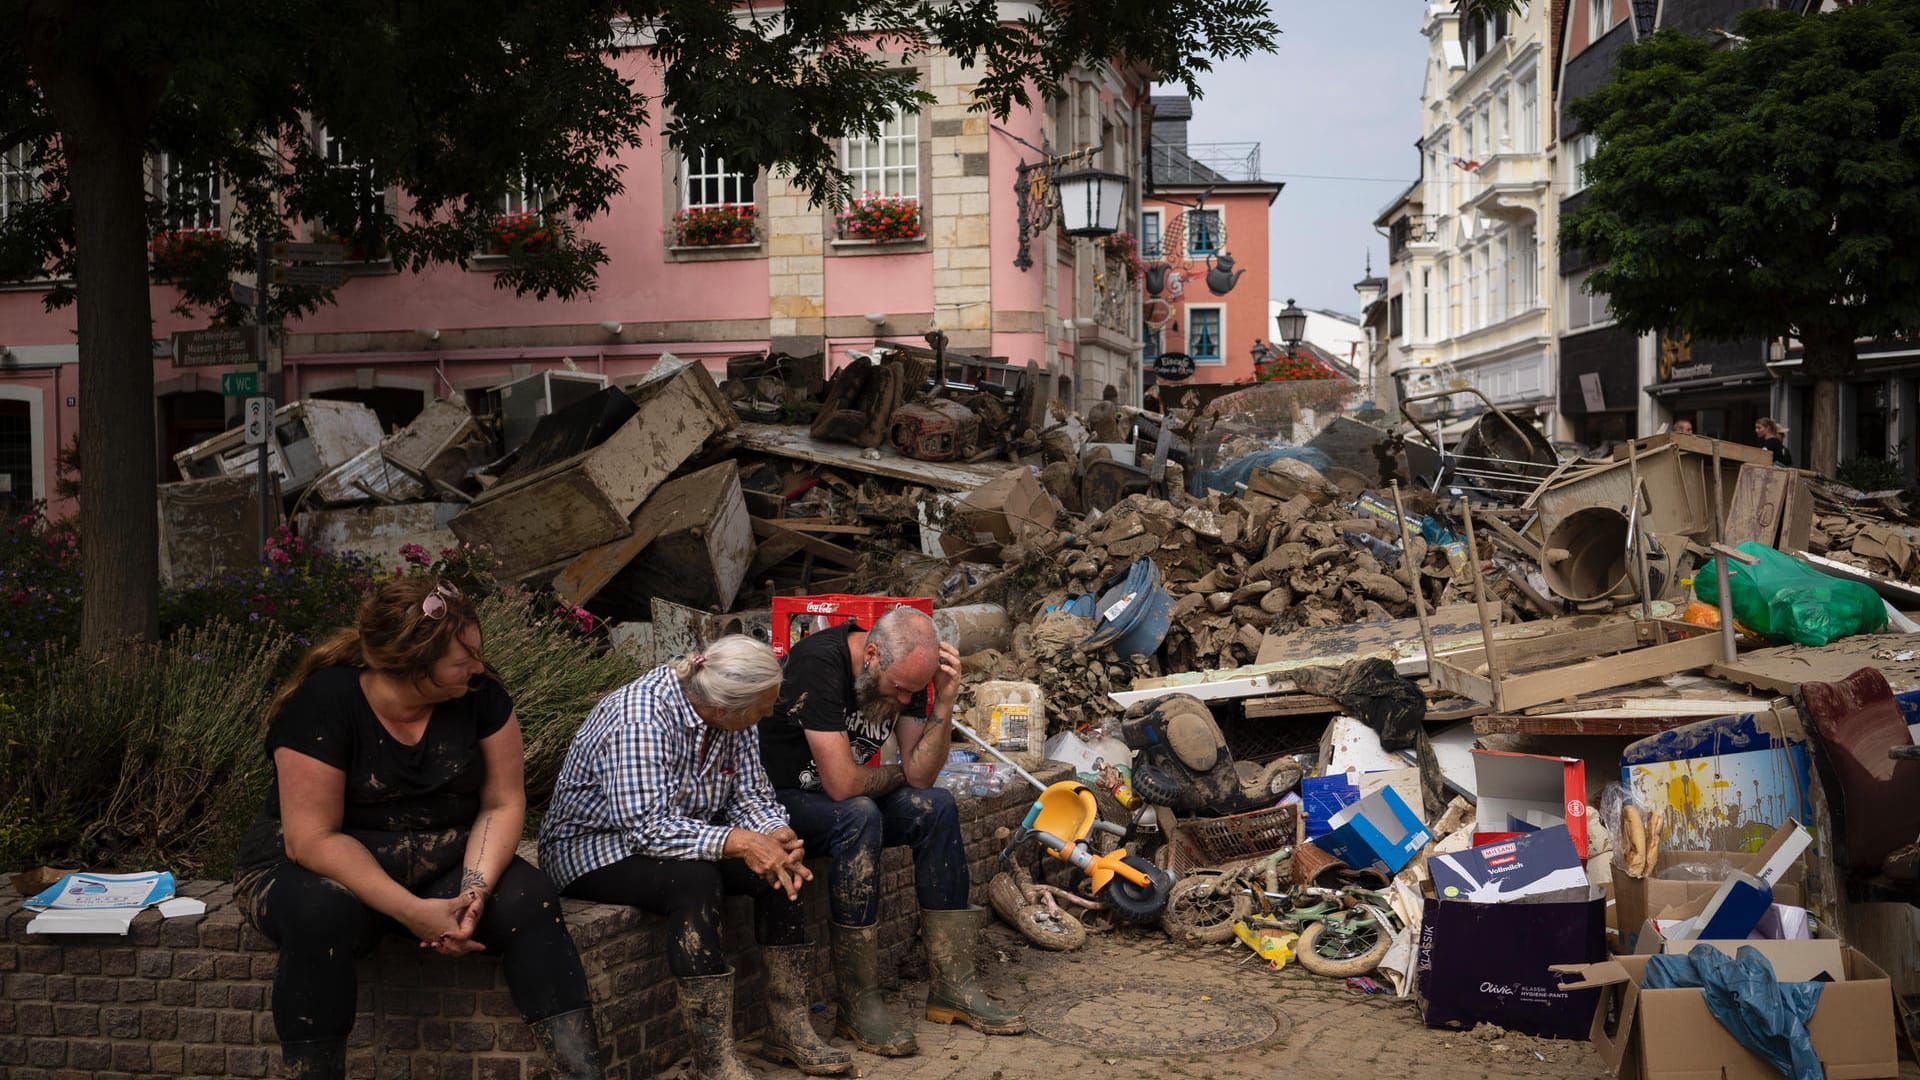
point(1221, 276)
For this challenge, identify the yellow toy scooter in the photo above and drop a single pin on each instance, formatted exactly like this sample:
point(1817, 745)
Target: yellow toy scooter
point(1062, 819)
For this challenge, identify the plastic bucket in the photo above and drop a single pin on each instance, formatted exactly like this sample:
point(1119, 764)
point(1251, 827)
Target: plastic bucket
point(1133, 612)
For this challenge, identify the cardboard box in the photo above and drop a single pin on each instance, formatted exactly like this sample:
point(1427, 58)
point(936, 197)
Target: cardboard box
point(1539, 790)
point(1377, 829)
point(998, 511)
point(1637, 900)
point(1491, 963)
point(1325, 796)
point(1535, 864)
point(1671, 1035)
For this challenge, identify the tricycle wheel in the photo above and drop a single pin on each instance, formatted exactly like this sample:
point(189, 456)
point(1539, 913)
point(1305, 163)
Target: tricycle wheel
point(1343, 945)
point(1201, 909)
point(1139, 903)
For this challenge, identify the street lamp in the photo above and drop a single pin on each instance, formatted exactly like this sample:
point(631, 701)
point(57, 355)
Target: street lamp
point(1293, 325)
point(1088, 201)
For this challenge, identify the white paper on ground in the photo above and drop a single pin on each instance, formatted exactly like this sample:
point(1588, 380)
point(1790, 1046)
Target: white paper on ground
point(182, 905)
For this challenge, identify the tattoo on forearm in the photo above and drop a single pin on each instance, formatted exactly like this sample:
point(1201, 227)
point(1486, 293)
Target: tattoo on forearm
point(877, 781)
point(472, 878)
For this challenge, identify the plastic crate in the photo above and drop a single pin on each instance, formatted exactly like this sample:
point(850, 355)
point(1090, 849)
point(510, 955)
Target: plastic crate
point(833, 609)
point(1212, 842)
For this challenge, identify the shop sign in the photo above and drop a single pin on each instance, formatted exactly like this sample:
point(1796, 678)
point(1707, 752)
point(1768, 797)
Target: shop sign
point(1173, 366)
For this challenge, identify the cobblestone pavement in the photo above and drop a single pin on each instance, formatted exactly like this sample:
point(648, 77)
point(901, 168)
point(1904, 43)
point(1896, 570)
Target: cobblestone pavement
point(1324, 1028)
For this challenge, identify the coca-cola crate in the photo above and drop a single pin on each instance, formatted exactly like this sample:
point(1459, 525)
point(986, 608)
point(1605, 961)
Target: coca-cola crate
point(805, 612)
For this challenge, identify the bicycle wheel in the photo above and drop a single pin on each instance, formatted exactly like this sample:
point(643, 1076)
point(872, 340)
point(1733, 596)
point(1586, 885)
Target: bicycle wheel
point(1200, 911)
point(1343, 945)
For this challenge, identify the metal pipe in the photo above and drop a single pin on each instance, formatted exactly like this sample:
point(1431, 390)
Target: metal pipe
point(1480, 602)
point(1009, 762)
point(1413, 579)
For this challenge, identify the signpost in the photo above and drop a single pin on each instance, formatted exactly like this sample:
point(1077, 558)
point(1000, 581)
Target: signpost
point(240, 383)
point(220, 346)
point(1173, 366)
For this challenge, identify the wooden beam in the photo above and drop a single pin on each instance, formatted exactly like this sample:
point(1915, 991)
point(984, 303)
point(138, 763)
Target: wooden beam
point(1625, 726)
point(812, 545)
point(1290, 705)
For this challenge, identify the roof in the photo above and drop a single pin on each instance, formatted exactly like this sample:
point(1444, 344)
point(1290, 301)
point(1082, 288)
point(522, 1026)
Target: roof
point(1171, 106)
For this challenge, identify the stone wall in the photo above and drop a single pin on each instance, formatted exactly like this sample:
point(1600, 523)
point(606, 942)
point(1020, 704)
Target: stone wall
point(190, 996)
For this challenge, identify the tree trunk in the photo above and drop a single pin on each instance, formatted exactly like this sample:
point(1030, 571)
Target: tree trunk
point(1830, 357)
point(102, 116)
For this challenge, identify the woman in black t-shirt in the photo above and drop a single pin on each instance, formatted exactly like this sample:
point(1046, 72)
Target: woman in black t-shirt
point(396, 805)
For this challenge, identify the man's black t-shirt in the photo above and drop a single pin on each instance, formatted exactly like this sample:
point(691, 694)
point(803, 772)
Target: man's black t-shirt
point(393, 791)
point(816, 694)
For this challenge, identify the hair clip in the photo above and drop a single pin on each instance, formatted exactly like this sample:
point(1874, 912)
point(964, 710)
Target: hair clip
point(698, 660)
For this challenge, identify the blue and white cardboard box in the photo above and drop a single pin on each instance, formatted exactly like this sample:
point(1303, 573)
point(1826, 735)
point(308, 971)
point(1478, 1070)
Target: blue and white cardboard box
point(1377, 829)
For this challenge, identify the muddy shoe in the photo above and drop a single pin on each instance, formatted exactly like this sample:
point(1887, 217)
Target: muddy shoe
point(954, 995)
point(571, 1044)
point(706, 1003)
point(862, 1013)
point(1903, 865)
point(315, 1059)
point(790, 1038)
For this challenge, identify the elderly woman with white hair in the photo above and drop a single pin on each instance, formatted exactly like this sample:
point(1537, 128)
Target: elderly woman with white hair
point(662, 804)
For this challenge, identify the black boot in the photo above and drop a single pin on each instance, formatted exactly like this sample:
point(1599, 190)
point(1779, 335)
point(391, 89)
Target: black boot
point(571, 1043)
point(314, 1059)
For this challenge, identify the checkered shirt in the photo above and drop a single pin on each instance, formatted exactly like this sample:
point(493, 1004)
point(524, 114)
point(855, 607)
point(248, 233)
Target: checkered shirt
point(632, 784)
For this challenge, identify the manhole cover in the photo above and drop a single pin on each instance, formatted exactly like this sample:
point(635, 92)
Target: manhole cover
point(1153, 1018)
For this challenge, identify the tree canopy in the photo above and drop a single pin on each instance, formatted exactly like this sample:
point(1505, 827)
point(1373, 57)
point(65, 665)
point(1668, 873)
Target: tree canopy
point(459, 104)
point(1762, 185)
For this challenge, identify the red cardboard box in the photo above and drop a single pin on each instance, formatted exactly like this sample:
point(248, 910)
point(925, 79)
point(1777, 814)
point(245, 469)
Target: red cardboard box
point(1551, 790)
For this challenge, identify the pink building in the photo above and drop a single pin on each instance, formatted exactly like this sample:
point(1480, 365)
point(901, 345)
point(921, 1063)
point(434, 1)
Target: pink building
point(1208, 208)
point(799, 283)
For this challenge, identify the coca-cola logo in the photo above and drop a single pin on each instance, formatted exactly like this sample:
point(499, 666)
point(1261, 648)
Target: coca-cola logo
point(822, 609)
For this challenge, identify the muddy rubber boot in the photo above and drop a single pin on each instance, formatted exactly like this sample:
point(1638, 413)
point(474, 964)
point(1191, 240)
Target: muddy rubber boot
point(706, 1003)
point(790, 1038)
point(315, 1059)
point(862, 1013)
point(571, 1044)
point(954, 995)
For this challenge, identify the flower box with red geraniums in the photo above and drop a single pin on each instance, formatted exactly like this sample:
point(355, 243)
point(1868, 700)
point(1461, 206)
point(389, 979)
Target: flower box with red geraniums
point(874, 216)
point(1122, 248)
point(715, 226)
point(523, 233)
point(356, 250)
point(175, 250)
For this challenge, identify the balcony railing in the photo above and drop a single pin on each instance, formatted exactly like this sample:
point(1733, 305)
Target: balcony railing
point(1412, 229)
point(1205, 163)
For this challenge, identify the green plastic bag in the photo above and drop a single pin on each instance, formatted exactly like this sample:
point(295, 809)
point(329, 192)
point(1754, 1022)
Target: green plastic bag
point(1783, 599)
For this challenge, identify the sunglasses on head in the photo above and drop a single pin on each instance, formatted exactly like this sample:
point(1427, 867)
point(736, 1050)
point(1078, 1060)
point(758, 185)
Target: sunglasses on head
point(435, 605)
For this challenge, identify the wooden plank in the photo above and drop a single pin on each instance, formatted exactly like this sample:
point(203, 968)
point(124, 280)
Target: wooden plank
point(1366, 638)
point(812, 545)
point(798, 444)
point(1519, 691)
point(1759, 502)
point(1461, 681)
point(822, 527)
point(774, 550)
point(1290, 705)
point(1699, 444)
point(1783, 668)
point(1904, 596)
point(1629, 726)
point(1556, 648)
point(1796, 517)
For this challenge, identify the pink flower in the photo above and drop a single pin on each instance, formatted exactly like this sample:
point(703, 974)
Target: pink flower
point(414, 554)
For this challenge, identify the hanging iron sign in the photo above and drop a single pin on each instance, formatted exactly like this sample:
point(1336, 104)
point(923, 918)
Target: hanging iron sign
point(1173, 366)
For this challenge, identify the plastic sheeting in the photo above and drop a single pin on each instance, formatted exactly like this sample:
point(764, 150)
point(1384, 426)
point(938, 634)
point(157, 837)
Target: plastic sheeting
point(1241, 469)
point(1767, 1016)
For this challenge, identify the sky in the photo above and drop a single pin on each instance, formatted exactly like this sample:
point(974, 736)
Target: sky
point(1340, 98)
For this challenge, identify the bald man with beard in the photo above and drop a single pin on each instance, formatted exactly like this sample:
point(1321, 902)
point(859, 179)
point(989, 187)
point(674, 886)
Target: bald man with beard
point(845, 690)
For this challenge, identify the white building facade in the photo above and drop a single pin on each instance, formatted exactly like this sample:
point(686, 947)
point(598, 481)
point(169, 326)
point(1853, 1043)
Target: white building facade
point(1477, 308)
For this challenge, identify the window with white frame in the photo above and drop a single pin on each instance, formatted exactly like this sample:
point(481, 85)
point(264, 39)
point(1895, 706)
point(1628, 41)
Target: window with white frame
point(1525, 290)
point(1584, 310)
point(1203, 232)
point(1599, 18)
point(1502, 120)
point(1150, 341)
point(1483, 148)
point(1426, 305)
point(1580, 149)
point(1450, 289)
point(189, 194)
point(888, 163)
point(523, 196)
point(706, 181)
point(1470, 268)
point(1500, 278)
point(19, 179)
point(1150, 234)
point(1526, 94)
point(367, 189)
point(1205, 334)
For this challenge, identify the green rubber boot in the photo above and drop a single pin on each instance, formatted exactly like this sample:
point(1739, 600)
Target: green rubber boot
point(955, 996)
point(862, 1014)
